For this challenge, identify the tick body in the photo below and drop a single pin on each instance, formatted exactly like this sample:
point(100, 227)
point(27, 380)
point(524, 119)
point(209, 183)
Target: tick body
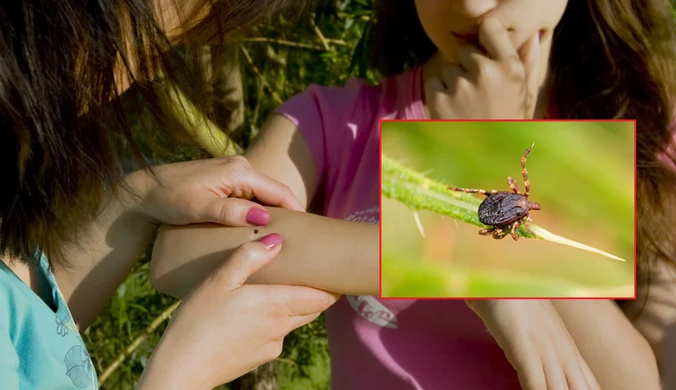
point(505, 211)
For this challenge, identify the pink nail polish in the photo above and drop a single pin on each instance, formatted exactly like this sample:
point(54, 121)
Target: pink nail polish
point(257, 217)
point(271, 240)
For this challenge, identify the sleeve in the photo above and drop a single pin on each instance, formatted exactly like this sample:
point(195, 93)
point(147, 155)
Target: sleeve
point(325, 118)
point(9, 363)
point(304, 110)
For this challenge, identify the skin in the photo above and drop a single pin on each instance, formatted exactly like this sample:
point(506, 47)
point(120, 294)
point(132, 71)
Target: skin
point(222, 307)
point(575, 345)
point(453, 88)
point(318, 252)
point(515, 38)
point(215, 322)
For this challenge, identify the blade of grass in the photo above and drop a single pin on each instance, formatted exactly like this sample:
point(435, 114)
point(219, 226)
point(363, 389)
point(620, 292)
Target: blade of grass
point(419, 192)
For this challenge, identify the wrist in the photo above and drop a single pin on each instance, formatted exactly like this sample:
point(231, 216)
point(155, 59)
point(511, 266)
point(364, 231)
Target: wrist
point(165, 373)
point(138, 186)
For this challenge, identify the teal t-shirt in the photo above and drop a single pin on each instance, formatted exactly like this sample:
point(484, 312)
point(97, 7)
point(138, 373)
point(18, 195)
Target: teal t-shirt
point(40, 347)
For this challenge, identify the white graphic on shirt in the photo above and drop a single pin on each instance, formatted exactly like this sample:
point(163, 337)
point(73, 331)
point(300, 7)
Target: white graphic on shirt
point(370, 308)
point(367, 306)
point(366, 216)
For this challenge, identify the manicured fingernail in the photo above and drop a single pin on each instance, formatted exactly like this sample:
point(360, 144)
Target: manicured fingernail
point(257, 217)
point(271, 240)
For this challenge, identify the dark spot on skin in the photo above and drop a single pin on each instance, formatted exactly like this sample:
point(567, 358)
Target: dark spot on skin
point(255, 231)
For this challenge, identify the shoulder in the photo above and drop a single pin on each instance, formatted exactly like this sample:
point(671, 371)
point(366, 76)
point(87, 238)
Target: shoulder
point(324, 105)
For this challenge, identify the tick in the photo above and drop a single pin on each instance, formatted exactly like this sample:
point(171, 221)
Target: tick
point(505, 211)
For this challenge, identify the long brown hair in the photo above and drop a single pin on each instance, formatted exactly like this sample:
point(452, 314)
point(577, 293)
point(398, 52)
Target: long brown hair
point(63, 131)
point(611, 59)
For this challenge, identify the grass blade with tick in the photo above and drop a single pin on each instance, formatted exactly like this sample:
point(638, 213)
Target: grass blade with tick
point(419, 192)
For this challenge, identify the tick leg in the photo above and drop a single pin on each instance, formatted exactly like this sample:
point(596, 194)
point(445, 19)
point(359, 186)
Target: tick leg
point(470, 191)
point(513, 231)
point(527, 226)
point(484, 232)
point(526, 183)
point(499, 234)
point(513, 185)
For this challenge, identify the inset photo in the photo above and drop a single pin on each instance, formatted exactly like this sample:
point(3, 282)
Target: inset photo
point(508, 209)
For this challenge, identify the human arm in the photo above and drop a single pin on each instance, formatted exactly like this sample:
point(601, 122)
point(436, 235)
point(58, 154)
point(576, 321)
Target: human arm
point(223, 329)
point(657, 320)
point(320, 252)
point(570, 343)
point(181, 193)
point(617, 353)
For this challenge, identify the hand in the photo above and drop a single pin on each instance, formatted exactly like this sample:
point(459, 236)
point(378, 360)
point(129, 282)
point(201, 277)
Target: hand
point(224, 329)
point(214, 190)
point(499, 85)
point(536, 343)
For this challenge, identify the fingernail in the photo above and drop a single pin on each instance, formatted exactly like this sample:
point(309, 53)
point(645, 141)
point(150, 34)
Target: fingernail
point(271, 240)
point(257, 217)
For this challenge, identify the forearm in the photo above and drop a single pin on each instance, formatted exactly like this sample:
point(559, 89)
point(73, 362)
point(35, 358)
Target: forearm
point(102, 257)
point(618, 355)
point(320, 252)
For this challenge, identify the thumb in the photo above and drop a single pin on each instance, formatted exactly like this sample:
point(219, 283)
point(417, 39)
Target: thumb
point(246, 261)
point(530, 57)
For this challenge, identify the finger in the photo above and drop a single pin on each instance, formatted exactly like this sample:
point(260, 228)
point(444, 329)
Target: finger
point(531, 62)
point(554, 372)
point(246, 261)
point(301, 300)
point(469, 58)
point(530, 371)
point(235, 212)
point(581, 376)
point(298, 321)
point(495, 40)
point(452, 75)
point(433, 86)
point(273, 193)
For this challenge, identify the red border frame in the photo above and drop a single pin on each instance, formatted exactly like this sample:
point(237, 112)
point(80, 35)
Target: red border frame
point(380, 186)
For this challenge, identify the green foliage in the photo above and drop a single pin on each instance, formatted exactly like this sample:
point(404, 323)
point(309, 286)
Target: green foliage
point(276, 62)
point(580, 172)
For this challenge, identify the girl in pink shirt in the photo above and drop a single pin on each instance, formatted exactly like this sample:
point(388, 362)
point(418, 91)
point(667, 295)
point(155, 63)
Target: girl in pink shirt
point(461, 59)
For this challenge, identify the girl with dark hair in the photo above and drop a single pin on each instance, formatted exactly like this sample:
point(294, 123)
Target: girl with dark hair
point(72, 224)
point(466, 59)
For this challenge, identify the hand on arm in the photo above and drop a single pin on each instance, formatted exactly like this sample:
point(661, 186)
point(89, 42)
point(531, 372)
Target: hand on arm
point(320, 252)
point(536, 343)
point(190, 192)
point(223, 329)
point(618, 355)
point(570, 344)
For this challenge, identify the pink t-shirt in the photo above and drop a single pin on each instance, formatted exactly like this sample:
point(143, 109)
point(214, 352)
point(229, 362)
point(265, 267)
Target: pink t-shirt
point(386, 344)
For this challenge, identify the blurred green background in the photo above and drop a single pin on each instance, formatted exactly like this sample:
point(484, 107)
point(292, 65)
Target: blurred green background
point(582, 173)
